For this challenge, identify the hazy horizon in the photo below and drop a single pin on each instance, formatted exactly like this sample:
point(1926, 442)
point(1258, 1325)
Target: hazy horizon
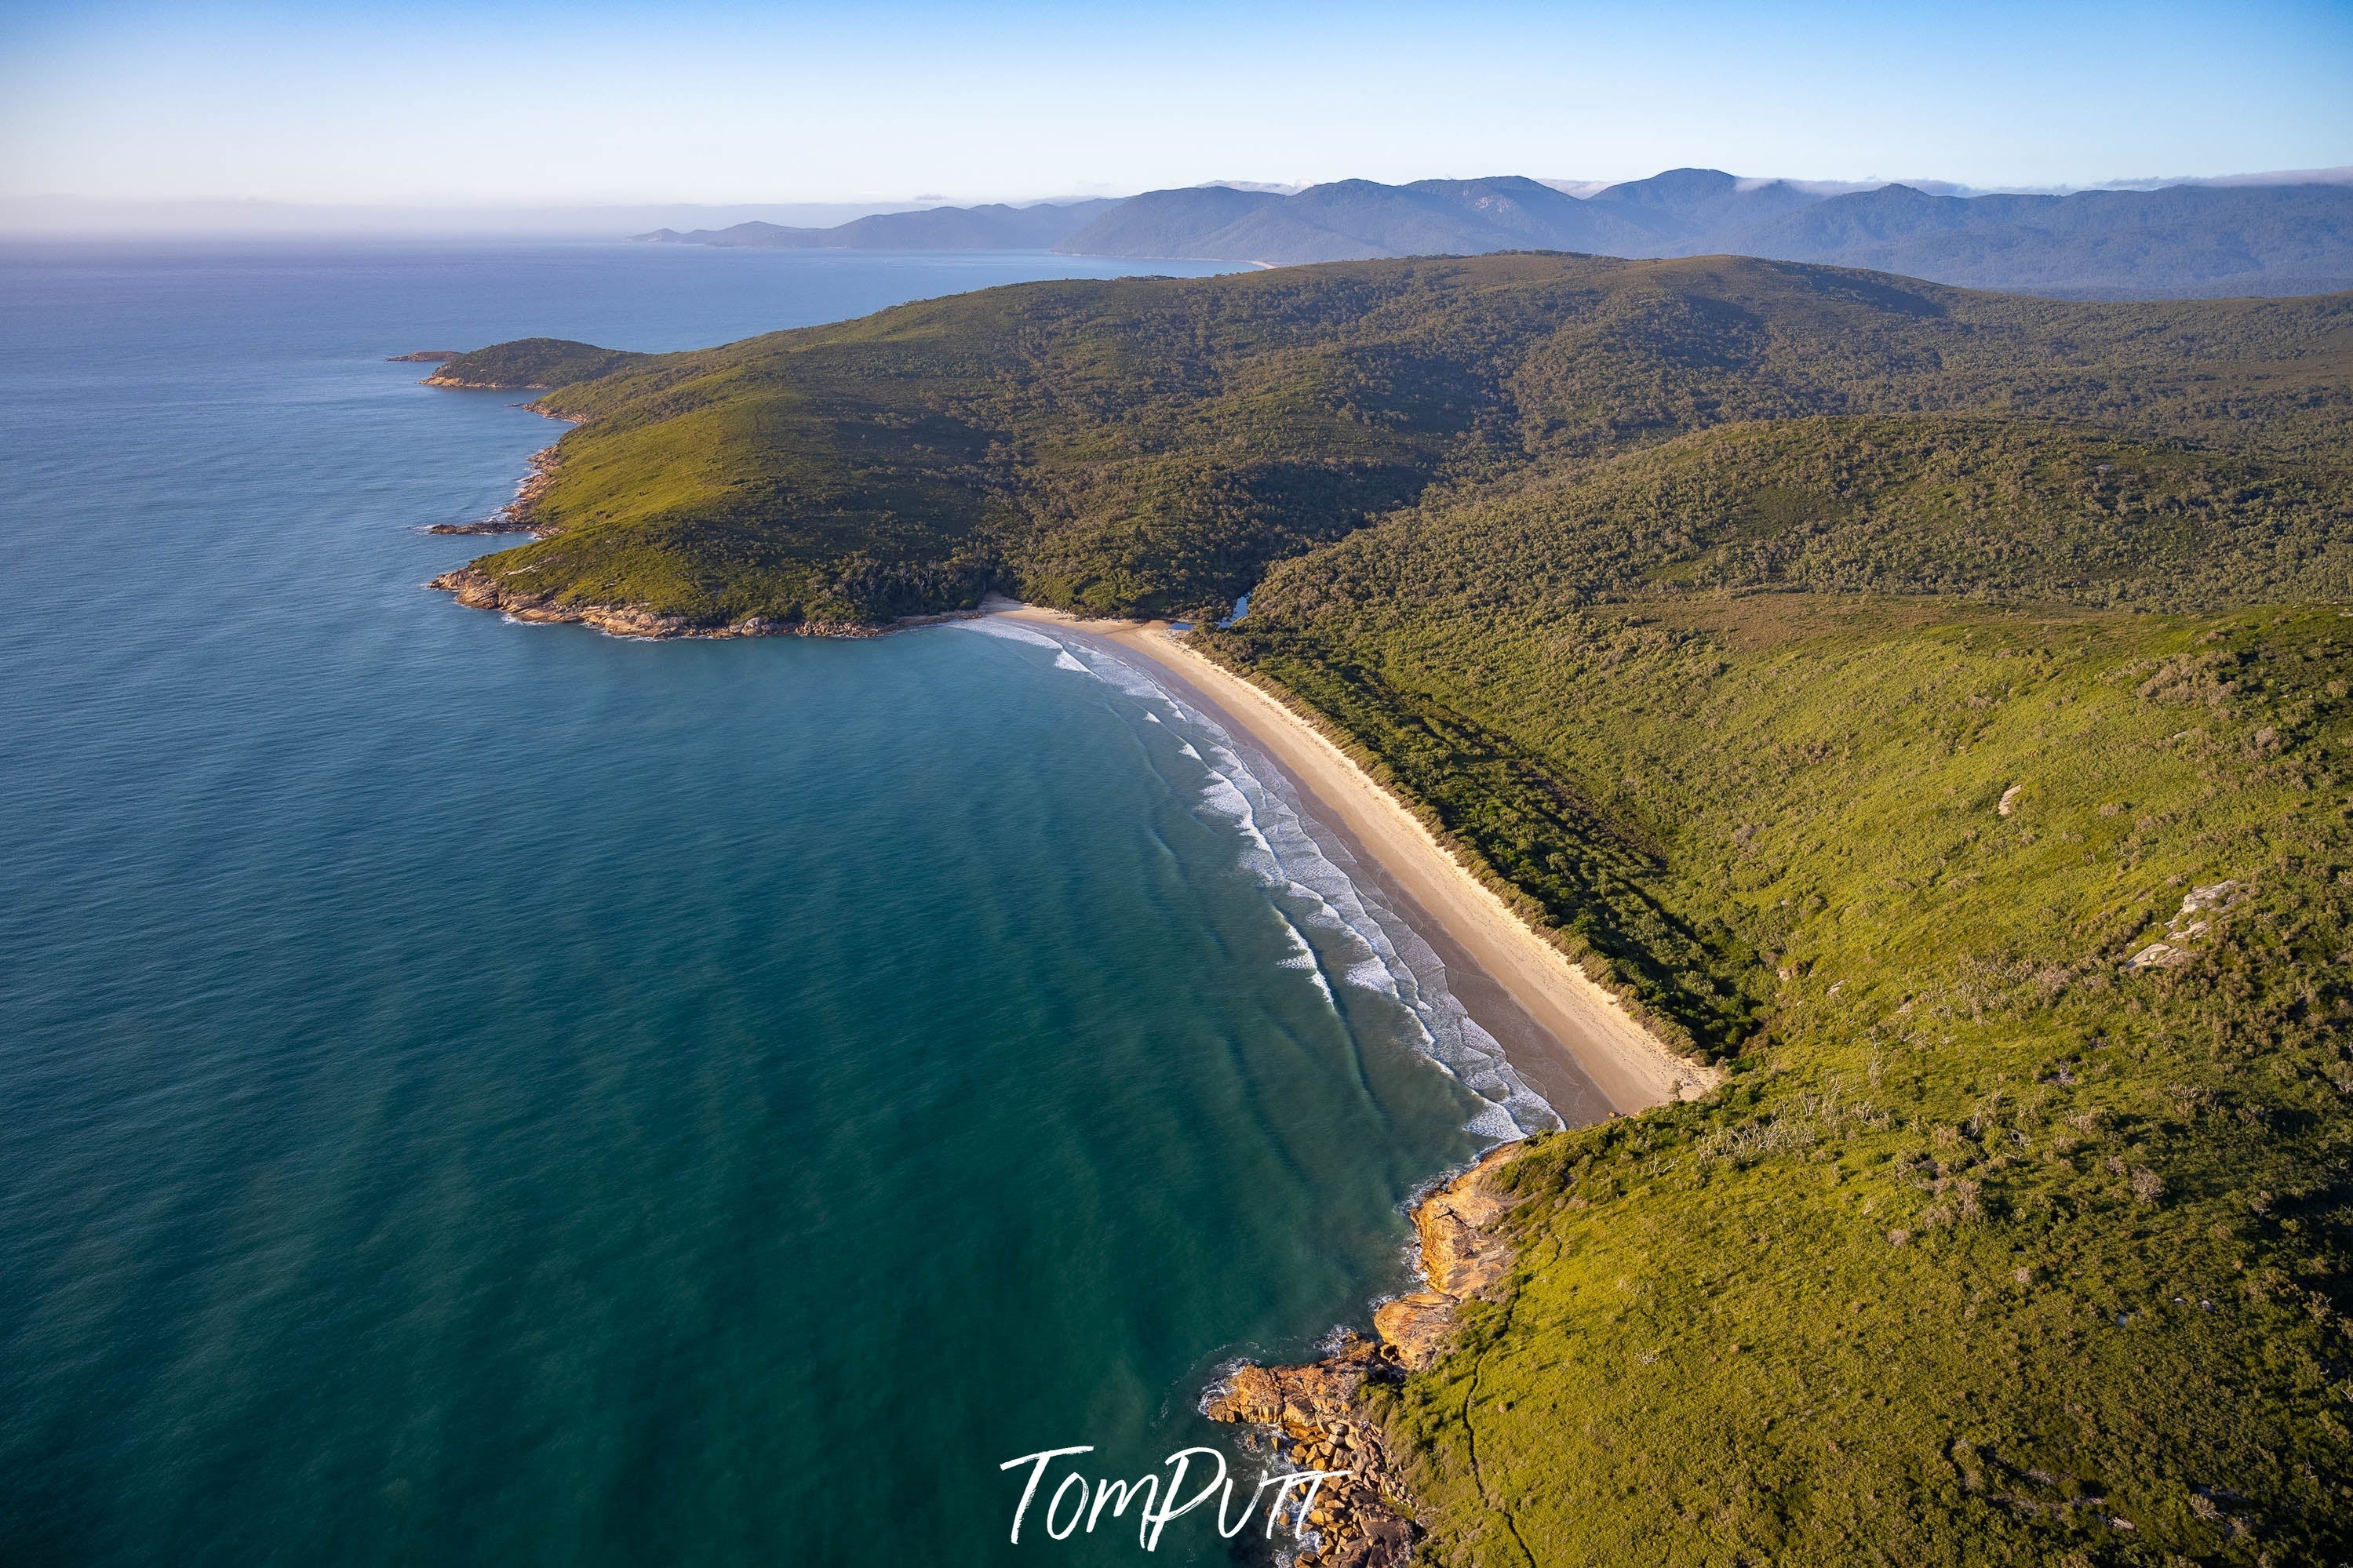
point(72, 216)
point(720, 105)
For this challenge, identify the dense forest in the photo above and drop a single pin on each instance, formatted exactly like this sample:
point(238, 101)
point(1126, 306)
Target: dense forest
point(1150, 445)
point(1934, 707)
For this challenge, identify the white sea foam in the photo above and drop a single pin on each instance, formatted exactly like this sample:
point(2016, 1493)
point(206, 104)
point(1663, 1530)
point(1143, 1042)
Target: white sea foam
point(1011, 631)
point(1116, 671)
point(1303, 957)
point(1376, 951)
point(1371, 974)
point(1383, 955)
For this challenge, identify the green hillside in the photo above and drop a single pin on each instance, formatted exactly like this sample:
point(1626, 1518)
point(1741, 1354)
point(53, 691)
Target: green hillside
point(1993, 1239)
point(533, 363)
point(1150, 445)
point(1936, 706)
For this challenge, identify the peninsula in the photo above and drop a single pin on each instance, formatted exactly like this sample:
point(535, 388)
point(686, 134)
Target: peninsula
point(1930, 710)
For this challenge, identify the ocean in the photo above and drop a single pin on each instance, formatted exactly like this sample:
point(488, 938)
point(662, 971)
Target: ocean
point(477, 1093)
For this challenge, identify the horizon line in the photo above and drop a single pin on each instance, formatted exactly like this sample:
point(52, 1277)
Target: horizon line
point(54, 213)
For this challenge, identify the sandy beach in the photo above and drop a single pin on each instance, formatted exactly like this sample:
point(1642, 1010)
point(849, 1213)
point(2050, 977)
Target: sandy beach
point(1630, 1067)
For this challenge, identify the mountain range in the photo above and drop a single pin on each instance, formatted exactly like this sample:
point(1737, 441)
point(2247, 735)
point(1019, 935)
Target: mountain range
point(2176, 241)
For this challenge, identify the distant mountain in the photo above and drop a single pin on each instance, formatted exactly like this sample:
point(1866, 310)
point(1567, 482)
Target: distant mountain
point(2178, 240)
point(1168, 223)
point(2184, 240)
point(2175, 240)
point(1691, 204)
point(1351, 220)
point(993, 228)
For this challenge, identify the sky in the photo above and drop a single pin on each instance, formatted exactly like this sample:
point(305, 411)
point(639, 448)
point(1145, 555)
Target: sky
point(588, 102)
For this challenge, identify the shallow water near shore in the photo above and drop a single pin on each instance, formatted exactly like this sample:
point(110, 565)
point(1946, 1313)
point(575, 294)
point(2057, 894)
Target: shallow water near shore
point(480, 1093)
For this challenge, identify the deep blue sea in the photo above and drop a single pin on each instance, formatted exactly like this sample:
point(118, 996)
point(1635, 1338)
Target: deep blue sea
point(474, 1093)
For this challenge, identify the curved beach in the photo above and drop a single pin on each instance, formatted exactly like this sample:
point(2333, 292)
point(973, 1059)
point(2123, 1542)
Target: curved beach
point(1588, 1028)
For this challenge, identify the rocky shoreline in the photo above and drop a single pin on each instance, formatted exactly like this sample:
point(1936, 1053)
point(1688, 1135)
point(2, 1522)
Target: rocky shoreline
point(1315, 1415)
point(442, 378)
point(481, 590)
point(478, 590)
point(515, 516)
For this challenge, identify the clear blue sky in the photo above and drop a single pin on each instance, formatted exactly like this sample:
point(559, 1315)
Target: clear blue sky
point(722, 102)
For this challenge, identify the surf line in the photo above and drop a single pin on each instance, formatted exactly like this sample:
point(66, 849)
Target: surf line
point(1280, 849)
point(1159, 1505)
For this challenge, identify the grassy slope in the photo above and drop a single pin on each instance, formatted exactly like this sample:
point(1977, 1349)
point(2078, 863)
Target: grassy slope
point(1149, 445)
point(1862, 1306)
point(1458, 642)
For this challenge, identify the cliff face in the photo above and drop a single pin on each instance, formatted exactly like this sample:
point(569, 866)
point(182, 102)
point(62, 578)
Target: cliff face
point(1315, 1415)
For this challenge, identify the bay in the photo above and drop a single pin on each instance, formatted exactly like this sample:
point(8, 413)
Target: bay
point(478, 1093)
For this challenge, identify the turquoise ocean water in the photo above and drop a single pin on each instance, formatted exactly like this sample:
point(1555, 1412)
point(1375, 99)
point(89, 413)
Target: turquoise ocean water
point(473, 1093)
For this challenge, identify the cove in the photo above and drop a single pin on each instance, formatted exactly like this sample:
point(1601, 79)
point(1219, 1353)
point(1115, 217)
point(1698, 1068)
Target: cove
point(481, 1093)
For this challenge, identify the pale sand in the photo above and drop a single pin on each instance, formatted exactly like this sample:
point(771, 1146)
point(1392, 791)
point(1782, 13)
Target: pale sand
point(1631, 1067)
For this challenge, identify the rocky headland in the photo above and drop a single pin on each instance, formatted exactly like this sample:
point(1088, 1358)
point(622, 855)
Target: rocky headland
point(461, 385)
point(1315, 1416)
point(481, 590)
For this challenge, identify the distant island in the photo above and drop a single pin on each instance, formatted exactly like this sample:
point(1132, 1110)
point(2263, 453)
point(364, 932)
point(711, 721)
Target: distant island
point(1929, 713)
point(1043, 226)
point(2179, 240)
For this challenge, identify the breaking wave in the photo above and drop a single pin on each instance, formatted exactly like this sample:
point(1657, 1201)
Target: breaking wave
point(1364, 941)
point(1011, 631)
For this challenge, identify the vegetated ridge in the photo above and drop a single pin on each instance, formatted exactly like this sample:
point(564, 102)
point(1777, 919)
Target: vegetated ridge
point(1932, 706)
point(531, 365)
